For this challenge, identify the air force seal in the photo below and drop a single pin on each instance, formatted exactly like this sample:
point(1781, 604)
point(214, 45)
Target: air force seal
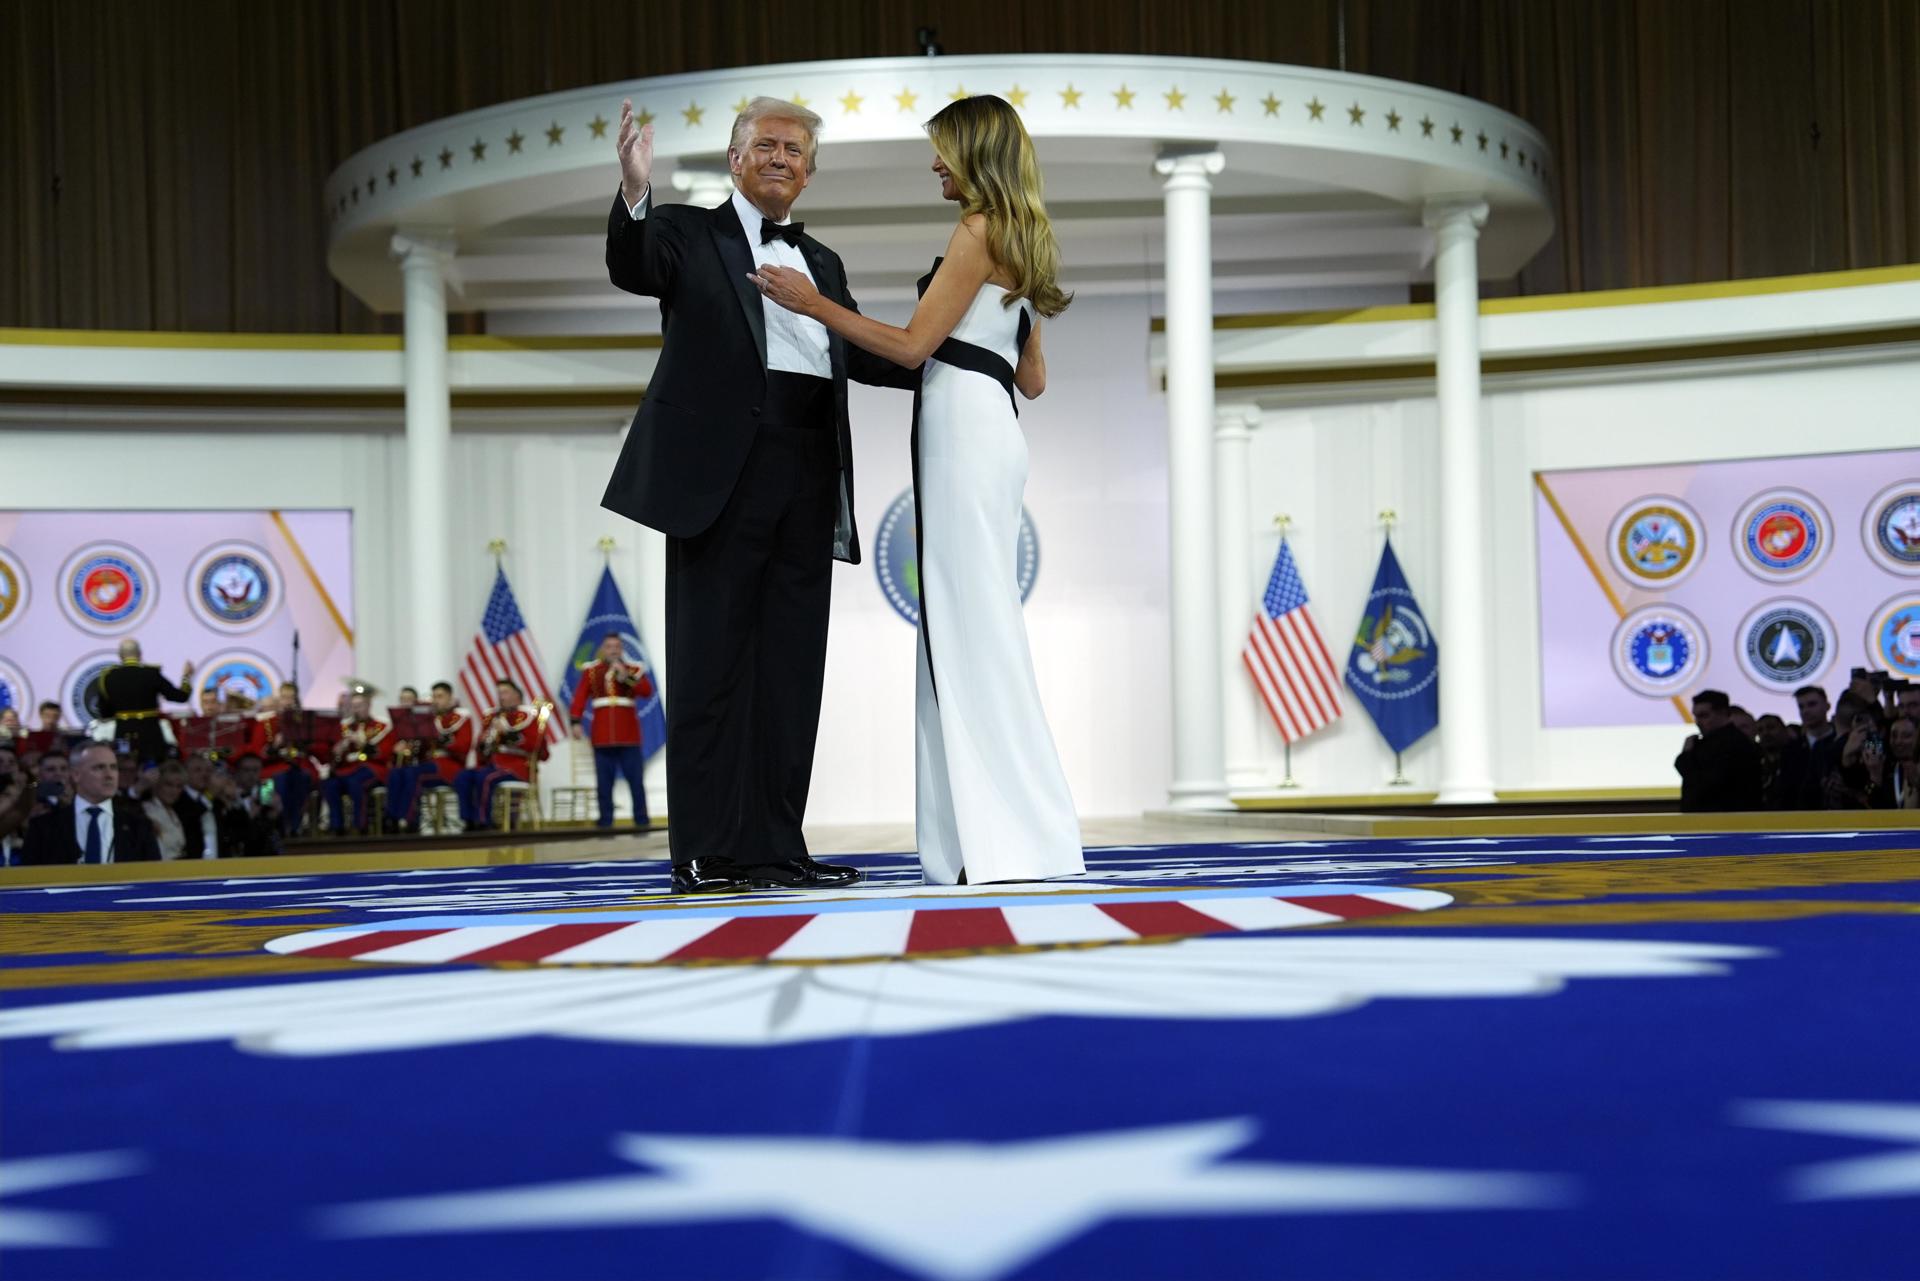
point(1655, 541)
point(1782, 534)
point(1893, 637)
point(15, 589)
point(1786, 643)
point(896, 560)
point(107, 588)
point(234, 587)
point(1891, 527)
point(1659, 650)
point(14, 690)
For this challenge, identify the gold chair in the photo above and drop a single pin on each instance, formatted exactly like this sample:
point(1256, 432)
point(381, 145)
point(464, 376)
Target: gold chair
point(578, 801)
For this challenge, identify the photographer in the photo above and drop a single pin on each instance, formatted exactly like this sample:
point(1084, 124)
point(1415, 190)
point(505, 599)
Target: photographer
point(1864, 779)
point(247, 810)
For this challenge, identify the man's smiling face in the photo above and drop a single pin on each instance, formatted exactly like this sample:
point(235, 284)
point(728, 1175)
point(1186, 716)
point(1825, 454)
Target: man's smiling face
point(772, 171)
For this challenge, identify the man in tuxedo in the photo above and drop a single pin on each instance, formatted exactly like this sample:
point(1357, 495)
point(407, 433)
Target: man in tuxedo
point(741, 455)
point(96, 826)
point(1719, 766)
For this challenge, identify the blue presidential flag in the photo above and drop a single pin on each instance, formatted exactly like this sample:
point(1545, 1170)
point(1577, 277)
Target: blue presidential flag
point(1394, 669)
point(608, 613)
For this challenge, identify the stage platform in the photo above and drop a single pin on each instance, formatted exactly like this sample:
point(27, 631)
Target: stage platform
point(1231, 1048)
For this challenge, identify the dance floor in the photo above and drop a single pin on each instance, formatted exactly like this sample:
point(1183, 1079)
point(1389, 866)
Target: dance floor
point(1648, 1055)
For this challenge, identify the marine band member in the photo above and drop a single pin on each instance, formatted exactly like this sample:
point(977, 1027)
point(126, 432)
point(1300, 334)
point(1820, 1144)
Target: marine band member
point(446, 756)
point(613, 688)
point(130, 695)
point(511, 741)
point(360, 761)
point(285, 762)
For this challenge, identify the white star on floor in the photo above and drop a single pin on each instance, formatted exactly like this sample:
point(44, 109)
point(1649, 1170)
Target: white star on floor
point(1882, 1174)
point(951, 1211)
point(23, 1227)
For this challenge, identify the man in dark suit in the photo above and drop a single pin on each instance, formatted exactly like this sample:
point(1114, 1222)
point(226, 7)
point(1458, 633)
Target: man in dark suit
point(1719, 767)
point(741, 455)
point(130, 695)
point(96, 826)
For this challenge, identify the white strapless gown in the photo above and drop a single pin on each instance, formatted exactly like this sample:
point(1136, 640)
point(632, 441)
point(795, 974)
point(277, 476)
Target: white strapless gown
point(992, 800)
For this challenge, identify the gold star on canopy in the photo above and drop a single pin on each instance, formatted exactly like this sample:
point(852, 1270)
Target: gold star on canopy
point(355, 193)
point(393, 176)
point(1123, 98)
point(1457, 132)
point(1316, 109)
point(1393, 120)
point(797, 100)
point(1018, 97)
point(1520, 156)
point(1356, 116)
point(373, 185)
point(514, 140)
point(1272, 104)
point(692, 111)
point(599, 126)
point(1482, 138)
point(851, 103)
point(1224, 101)
point(418, 165)
point(1176, 101)
point(1503, 148)
point(741, 105)
point(906, 98)
point(554, 131)
point(446, 157)
point(1070, 97)
point(1426, 126)
point(479, 150)
point(959, 92)
point(642, 119)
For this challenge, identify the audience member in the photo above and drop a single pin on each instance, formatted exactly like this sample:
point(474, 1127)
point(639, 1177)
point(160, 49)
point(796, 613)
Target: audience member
point(162, 808)
point(249, 811)
point(1903, 763)
point(1742, 720)
point(1783, 764)
point(97, 826)
point(195, 807)
point(11, 730)
point(1719, 766)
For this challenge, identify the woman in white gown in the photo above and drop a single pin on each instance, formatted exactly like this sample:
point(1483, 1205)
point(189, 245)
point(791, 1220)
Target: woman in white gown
point(992, 802)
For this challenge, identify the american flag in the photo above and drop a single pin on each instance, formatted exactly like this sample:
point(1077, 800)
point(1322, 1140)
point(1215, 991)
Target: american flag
point(1287, 659)
point(504, 648)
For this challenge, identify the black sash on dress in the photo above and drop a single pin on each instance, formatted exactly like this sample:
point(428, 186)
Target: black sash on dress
point(977, 360)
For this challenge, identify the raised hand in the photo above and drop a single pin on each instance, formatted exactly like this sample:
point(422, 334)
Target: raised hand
point(635, 146)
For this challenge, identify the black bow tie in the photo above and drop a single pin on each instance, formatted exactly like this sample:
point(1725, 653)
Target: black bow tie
point(790, 232)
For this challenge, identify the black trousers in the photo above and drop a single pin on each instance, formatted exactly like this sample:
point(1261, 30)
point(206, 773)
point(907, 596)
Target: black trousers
point(747, 605)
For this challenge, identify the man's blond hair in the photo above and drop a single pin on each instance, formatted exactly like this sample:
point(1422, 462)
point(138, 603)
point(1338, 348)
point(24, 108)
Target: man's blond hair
point(775, 109)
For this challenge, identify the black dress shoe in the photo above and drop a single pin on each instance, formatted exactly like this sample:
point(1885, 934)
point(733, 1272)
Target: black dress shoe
point(710, 876)
point(801, 874)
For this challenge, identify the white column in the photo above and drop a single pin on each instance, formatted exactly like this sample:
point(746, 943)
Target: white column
point(1463, 628)
point(1233, 549)
point(1199, 780)
point(424, 263)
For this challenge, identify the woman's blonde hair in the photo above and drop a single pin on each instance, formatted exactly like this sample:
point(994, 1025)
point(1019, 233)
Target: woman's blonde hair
point(987, 151)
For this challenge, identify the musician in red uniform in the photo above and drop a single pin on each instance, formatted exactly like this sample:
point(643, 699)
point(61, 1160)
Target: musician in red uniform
point(446, 759)
point(612, 688)
point(512, 739)
point(286, 764)
point(359, 760)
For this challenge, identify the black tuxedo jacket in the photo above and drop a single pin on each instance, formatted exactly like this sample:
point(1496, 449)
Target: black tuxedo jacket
point(51, 837)
point(694, 429)
point(135, 687)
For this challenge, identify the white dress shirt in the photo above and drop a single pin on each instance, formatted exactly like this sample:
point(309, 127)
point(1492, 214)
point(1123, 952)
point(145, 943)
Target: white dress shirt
point(80, 821)
point(795, 343)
